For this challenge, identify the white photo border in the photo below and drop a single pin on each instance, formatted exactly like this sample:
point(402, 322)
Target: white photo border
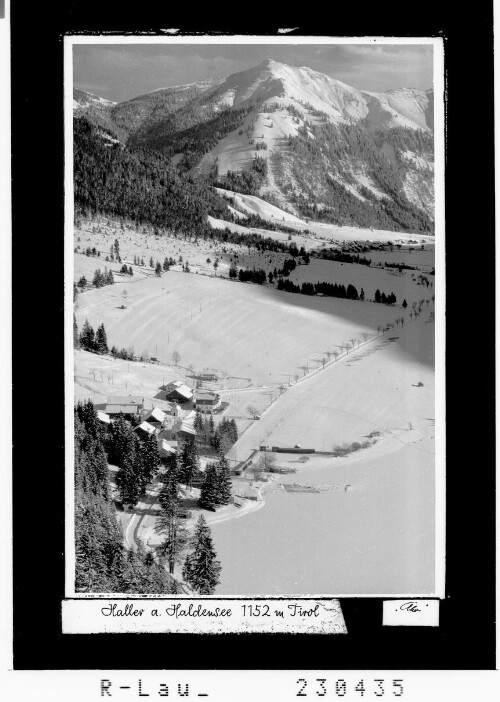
point(440, 289)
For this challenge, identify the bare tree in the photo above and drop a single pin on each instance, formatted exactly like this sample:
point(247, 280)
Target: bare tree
point(253, 412)
point(265, 463)
point(176, 357)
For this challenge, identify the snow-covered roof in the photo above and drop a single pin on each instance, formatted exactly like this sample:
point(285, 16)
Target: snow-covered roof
point(210, 396)
point(156, 415)
point(130, 408)
point(103, 417)
point(164, 445)
point(125, 400)
point(249, 491)
point(145, 426)
point(181, 388)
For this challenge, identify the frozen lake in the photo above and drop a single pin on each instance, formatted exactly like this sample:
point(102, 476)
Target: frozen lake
point(376, 537)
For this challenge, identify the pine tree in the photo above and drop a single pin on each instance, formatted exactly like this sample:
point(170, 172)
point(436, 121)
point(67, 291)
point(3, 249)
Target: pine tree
point(150, 458)
point(209, 493)
point(201, 567)
point(405, 304)
point(198, 422)
point(189, 462)
point(377, 295)
point(128, 481)
point(168, 522)
point(224, 484)
point(101, 342)
point(97, 281)
point(121, 443)
point(158, 269)
point(234, 430)
point(87, 415)
point(87, 337)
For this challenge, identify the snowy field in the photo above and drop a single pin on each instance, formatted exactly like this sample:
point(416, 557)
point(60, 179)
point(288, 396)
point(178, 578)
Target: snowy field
point(371, 528)
point(370, 389)
point(320, 233)
point(240, 329)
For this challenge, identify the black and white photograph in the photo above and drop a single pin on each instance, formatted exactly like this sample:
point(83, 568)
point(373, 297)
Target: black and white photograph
point(252, 359)
point(255, 255)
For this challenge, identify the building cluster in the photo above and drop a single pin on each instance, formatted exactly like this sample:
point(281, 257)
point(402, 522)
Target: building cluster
point(173, 423)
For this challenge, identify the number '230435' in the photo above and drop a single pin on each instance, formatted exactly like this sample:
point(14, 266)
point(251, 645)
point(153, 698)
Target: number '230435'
point(378, 687)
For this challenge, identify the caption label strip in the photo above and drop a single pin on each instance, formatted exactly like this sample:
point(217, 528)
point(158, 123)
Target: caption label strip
point(202, 616)
point(411, 613)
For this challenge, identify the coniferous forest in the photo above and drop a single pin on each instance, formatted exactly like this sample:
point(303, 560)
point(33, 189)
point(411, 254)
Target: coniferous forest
point(333, 144)
point(140, 185)
point(102, 562)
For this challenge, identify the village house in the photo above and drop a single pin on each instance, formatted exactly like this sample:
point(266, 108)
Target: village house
point(155, 416)
point(103, 417)
point(129, 406)
point(206, 401)
point(166, 448)
point(178, 391)
point(146, 429)
point(249, 492)
point(176, 430)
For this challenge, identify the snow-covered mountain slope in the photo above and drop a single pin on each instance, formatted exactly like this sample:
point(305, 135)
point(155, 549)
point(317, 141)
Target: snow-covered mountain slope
point(313, 130)
point(82, 100)
point(250, 204)
point(270, 80)
point(307, 142)
point(147, 111)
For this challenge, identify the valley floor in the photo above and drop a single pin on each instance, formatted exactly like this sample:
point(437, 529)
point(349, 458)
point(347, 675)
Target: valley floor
point(371, 526)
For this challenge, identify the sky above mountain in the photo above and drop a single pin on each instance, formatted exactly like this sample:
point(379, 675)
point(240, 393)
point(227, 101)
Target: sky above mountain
point(120, 72)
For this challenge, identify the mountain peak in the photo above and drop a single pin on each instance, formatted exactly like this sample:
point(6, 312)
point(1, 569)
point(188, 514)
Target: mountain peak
point(269, 63)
